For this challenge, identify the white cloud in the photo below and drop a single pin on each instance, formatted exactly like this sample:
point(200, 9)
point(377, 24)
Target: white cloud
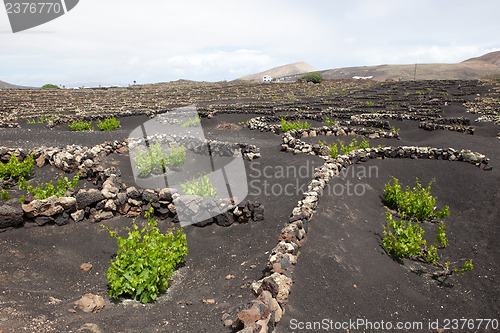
point(118, 41)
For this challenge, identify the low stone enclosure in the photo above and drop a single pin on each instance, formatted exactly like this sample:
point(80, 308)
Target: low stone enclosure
point(112, 197)
point(264, 313)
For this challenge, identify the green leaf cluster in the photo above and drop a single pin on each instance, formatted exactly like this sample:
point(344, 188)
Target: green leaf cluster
point(50, 86)
point(108, 124)
point(16, 169)
point(404, 239)
point(202, 187)
point(413, 203)
point(81, 126)
point(5, 195)
point(290, 125)
point(346, 149)
point(154, 160)
point(330, 122)
point(313, 77)
point(46, 191)
point(191, 122)
point(145, 261)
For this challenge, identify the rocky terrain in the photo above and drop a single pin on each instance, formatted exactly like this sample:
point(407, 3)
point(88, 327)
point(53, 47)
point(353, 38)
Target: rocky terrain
point(277, 258)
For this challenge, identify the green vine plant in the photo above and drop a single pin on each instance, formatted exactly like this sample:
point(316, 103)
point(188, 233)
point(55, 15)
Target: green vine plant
point(413, 203)
point(81, 126)
point(330, 122)
point(16, 169)
point(108, 124)
point(154, 160)
point(202, 187)
point(145, 261)
point(5, 195)
point(346, 149)
point(191, 122)
point(46, 191)
point(290, 125)
point(404, 238)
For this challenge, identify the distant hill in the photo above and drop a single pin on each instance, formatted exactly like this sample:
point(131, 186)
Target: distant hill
point(473, 68)
point(5, 85)
point(282, 71)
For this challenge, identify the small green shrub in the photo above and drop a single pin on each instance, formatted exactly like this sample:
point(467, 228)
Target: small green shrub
point(402, 238)
point(154, 160)
point(289, 125)
point(81, 126)
point(394, 130)
point(177, 156)
point(50, 86)
point(41, 120)
point(330, 122)
point(353, 145)
point(467, 266)
point(416, 202)
point(16, 169)
point(108, 124)
point(313, 77)
point(145, 261)
point(441, 235)
point(202, 187)
point(191, 122)
point(370, 103)
point(405, 240)
point(5, 195)
point(46, 191)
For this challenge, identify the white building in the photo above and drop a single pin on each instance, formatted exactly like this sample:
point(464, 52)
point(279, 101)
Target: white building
point(267, 78)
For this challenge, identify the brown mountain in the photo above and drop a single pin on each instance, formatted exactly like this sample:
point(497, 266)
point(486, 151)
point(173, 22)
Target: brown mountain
point(473, 68)
point(5, 85)
point(281, 71)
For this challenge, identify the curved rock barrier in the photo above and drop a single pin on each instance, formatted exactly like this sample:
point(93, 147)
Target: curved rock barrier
point(262, 124)
point(264, 313)
point(112, 198)
point(115, 199)
point(431, 125)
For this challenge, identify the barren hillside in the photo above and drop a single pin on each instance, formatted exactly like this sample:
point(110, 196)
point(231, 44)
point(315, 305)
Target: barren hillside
point(282, 71)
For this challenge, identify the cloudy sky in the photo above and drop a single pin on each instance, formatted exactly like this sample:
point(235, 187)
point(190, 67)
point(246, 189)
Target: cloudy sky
point(119, 41)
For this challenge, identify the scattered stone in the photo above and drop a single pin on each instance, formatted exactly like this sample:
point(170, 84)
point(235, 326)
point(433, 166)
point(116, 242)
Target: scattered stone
point(11, 216)
point(78, 215)
point(53, 300)
point(62, 219)
point(68, 203)
point(85, 198)
point(90, 303)
point(86, 266)
point(133, 193)
point(46, 207)
point(209, 301)
point(248, 316)
point(105, 215)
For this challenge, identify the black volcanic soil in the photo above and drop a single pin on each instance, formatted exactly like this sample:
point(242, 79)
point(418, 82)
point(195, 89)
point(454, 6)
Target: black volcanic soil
point(342, 272)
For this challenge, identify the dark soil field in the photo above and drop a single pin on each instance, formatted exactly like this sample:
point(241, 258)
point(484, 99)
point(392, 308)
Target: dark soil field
point(342, 272)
